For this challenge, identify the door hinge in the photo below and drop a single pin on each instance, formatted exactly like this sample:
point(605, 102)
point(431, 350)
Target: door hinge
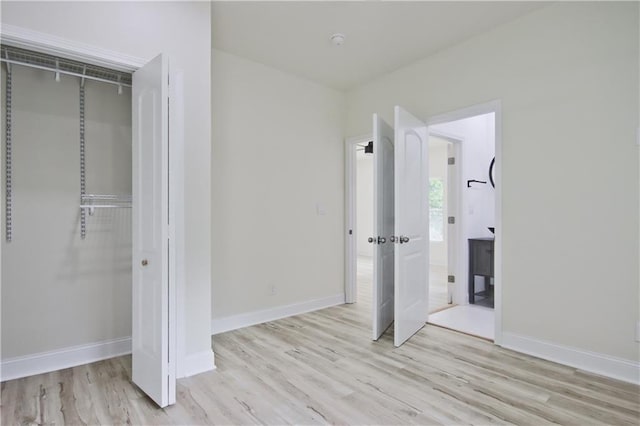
point(451, 220)
point(451, 161)
point(451, 278)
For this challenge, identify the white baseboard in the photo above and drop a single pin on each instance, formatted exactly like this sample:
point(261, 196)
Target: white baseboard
point(44, 362)
point(199, 362)
point(233, 322)
point(616, 368)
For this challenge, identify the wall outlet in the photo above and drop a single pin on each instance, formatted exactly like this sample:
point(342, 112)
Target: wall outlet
point(273, 290)
point(638, 331)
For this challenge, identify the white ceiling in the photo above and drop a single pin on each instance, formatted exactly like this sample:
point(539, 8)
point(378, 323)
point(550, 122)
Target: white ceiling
point(380, 36)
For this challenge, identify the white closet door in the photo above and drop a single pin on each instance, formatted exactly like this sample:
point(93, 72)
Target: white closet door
point(411, 225)
point(383, 211)
point(150, 319)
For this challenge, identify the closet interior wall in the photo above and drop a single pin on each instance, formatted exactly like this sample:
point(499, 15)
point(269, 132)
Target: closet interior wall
point(59, 290)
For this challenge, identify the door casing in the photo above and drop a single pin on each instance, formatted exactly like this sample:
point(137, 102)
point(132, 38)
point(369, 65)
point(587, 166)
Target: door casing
point(454, 208)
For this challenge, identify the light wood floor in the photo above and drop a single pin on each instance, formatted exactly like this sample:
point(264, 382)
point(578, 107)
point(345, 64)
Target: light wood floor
point(321, 368)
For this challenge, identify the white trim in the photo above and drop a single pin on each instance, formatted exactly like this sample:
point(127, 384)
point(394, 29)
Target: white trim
point(200, 362)
point(455, 236)
point(480, 109)
point(176, 220)
point(234, 322)
point(467, 112)
point(45, 362)
point(613, 367)
point(25, 38)
point(497, 108)
point(351, 217)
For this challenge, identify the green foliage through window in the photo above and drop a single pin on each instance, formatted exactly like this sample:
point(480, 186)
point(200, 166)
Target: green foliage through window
point(436, 209)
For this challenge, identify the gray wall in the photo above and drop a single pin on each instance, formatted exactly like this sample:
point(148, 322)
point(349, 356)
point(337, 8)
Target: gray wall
point(277, 154)
point(57, 289)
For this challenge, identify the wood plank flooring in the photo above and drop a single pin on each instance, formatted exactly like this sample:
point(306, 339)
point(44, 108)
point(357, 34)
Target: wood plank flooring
point(322, 368)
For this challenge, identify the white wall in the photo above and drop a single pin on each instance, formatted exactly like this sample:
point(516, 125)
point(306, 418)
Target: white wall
point(567, 76)
point(143, 29)
point(364, 203)
point(57, 289)
point(277, 154)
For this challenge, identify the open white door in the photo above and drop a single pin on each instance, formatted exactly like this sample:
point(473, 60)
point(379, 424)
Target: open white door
point(151, 354)
point(411, 225)
point(383, 211)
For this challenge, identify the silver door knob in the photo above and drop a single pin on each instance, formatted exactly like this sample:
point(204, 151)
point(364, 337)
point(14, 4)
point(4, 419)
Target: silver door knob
point(393, 238)
point(404, 239)
point(370, 239)
point(144, 262)
point(382, 240)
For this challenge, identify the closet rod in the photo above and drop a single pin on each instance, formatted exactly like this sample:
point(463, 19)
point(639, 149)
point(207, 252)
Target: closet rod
point(75, 74)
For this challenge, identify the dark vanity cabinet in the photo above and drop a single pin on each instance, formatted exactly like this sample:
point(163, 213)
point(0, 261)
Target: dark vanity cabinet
point(481, 261)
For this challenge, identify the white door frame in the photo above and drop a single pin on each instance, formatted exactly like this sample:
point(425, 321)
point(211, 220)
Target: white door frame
point(480, 109)
point(351, 217)
point(46, 43)
point(455, 242)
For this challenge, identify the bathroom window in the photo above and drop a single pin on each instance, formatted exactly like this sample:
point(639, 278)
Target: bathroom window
point(436, 209)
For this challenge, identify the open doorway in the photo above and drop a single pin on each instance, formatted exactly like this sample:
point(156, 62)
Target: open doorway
point(359, 221)
point(464, 194)
point(472, 280)
point(442, 203)
point(364, 222)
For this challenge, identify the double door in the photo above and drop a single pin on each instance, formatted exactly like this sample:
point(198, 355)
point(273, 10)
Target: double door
point(400, 225)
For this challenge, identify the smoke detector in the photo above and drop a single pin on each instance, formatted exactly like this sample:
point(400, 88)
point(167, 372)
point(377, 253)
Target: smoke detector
point(338, 39)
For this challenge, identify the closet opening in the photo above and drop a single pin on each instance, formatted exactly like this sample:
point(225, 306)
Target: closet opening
point(90, 227)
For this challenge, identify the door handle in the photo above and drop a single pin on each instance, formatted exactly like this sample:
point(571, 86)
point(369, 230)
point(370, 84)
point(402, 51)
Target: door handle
point(370, 239)
point(382, 240)
point(404, 239)
point(144, 262)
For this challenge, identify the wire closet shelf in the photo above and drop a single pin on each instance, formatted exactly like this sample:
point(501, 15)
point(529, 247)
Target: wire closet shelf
point(105, 201)
point(15, 56)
